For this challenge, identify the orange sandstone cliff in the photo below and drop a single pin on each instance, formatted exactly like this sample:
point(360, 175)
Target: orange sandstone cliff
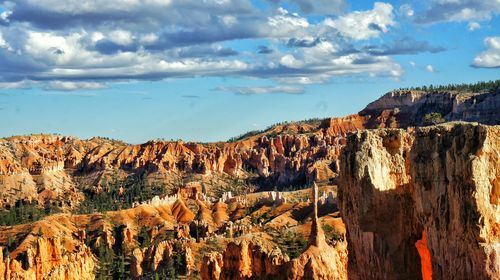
point(423, 204)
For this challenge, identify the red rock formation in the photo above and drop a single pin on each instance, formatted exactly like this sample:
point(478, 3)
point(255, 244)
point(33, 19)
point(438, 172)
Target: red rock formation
point(211, 267)
point(49, 250)
point(441, 181)
point(455, 170)
point(285, 158)
point(425, 257)
point(244, 259)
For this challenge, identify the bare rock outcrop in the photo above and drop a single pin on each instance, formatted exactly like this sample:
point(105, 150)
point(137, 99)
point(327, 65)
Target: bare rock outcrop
point(407, 107)
point(319, 260)
point(244, 259)
point(50, 251)
point(423, 204)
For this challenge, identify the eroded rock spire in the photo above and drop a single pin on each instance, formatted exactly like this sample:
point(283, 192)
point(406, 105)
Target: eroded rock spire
point(317, 236)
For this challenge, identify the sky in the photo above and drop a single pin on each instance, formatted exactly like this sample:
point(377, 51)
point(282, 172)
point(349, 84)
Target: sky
point(207, 70)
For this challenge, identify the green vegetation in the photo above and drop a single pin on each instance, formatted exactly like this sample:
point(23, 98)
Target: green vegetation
point(433, 118)
point(216, 186)
point(290, 242)
point(113, 263)
point(143, 238)
point(311, 121)
point(250, 134)
point(23, 213)
point(332, 235)
point(490, 86)
point(118, 195)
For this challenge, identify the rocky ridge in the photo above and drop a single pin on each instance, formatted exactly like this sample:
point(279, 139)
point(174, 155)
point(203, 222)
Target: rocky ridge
point(48, 168)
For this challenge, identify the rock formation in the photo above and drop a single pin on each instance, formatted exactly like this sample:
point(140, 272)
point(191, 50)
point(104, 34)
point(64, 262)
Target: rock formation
point(45, 168)
point(422, 204)
point(417, 203)
point(244, 259)
point(403, 108)
point(319, 260)
point(49, 250)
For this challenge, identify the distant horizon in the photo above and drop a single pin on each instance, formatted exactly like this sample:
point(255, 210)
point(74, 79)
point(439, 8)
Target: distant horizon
point(285, 122)
point(205, 71)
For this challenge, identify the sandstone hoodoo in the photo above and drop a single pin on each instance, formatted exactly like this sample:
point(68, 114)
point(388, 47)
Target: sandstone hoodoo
point(49, 169)
point(423, 204)
point(246, 259)
point(319, 260)
point(412, 202)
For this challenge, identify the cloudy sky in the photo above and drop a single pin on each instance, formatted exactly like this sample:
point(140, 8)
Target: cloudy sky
point(205, 70)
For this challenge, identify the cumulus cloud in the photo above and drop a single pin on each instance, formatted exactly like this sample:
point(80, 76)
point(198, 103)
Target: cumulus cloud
point(429, 68)
point(459, 10)
point(491, 57)
point(366, 24)
point(74, 44)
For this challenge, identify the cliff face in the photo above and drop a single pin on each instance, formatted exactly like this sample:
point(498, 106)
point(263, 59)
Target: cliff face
point(376, 206)
point(47, 249)
point(456, 171)
point(409, 107)
point(423, 204)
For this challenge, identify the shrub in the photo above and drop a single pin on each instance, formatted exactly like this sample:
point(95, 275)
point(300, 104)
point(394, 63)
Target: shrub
point(433, 118)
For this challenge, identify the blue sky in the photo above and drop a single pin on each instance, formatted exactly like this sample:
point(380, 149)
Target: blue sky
point(207, 70)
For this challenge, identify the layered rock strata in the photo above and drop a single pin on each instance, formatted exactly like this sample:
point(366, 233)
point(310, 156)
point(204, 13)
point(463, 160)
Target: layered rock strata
point(423, 204)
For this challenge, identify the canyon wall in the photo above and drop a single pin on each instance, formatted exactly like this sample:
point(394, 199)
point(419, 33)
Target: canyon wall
point(403, 108)
point(47, 168)
point(423, 204)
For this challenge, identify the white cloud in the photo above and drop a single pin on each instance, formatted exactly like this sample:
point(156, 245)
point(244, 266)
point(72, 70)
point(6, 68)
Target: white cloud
point(23, 84)
point(290, 61)
point(229, 20)
point(149, 38)
point(491, 57)
point(413, 64)
point(88, 41)
point(3, 43)
point(364, 25)
point(429, 68)
point(406, 10)
point(4, 16)
point(71, 86)
point(473, 26)
point(121, 37)
point(285, 24)
point(460, 10)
